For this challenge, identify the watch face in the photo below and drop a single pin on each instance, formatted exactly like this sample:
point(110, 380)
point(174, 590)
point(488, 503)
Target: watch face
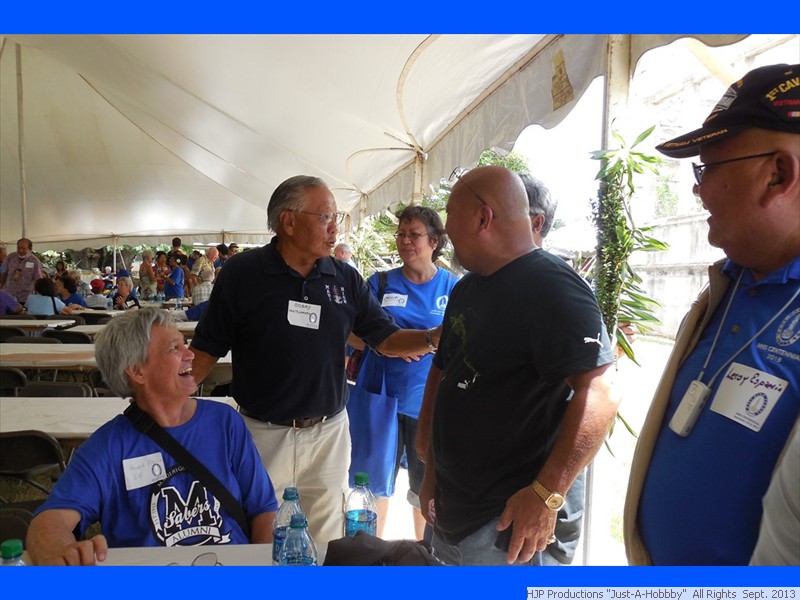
point(555, 501)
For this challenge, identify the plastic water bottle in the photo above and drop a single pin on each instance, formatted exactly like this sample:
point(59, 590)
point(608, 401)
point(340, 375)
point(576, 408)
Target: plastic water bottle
point(360, 509)
point(178, 303)
point(11, 551)
point(298, 548)
point(283, 519)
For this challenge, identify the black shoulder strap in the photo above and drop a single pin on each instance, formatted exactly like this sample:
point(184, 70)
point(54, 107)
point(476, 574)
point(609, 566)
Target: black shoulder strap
point(383, 278)
point(145, 423)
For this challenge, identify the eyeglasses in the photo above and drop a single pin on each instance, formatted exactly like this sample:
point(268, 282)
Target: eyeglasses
point(700, 168)
point(413, 236)
point(326, 218)
point(456, 175)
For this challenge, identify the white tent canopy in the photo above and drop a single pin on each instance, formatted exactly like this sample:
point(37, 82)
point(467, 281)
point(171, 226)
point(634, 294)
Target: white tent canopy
point(137, 138)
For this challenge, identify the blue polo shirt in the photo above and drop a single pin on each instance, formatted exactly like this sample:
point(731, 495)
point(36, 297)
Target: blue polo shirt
point(701, 501)
point(281, 370)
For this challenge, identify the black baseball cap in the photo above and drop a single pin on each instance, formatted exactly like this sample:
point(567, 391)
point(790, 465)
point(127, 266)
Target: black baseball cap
point(766, 98)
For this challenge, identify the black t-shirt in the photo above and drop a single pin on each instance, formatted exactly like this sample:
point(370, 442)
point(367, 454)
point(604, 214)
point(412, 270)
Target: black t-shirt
point(284, 371)
point(509, 341)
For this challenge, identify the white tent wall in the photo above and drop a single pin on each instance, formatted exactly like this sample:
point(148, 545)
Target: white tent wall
point(146, 137)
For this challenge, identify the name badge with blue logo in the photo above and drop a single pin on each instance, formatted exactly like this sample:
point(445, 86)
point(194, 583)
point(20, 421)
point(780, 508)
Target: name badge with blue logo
point(747, 395)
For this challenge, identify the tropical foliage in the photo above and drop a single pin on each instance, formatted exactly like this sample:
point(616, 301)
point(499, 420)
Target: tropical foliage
point(617, 285)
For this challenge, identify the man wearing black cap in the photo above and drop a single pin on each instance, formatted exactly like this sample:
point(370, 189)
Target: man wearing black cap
point(730, 394)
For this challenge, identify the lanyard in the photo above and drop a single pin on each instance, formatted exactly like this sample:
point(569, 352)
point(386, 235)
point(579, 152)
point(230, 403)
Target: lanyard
point(748, 342)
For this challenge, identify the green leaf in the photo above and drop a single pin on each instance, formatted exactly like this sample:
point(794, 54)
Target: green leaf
point(643, 136)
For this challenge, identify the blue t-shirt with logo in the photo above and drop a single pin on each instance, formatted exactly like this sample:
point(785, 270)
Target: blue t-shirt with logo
point(177, 509)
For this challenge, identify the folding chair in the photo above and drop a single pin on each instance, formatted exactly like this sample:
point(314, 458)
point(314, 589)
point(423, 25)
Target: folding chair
point(52, 389)
point(12, 380)
point(95, 380)
point(96, 318)
point(67, 336)
point(27, 454)
point(9, 332)
point(14, 522)
point(26, 339)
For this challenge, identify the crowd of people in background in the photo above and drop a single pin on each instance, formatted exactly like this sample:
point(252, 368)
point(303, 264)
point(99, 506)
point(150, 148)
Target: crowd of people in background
point(59, 290)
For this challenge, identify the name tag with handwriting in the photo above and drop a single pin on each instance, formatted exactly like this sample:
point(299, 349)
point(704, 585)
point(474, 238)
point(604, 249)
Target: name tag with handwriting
point(143, 470)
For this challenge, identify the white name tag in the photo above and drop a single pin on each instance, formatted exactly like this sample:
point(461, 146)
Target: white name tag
point(395, 300)
point(747, 395)
point(143, 470)
point(305, 315)
point(28, 265)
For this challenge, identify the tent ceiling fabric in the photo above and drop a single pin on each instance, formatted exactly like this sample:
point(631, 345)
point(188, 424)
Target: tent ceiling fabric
point(144, 137)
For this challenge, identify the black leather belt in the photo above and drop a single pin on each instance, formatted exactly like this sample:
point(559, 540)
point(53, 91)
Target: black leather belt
point(303, 423)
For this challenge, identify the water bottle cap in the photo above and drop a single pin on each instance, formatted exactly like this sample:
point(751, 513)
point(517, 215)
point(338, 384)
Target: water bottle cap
point(290, 493)
point(11, 548)
point(361, 478)
point(298, 521)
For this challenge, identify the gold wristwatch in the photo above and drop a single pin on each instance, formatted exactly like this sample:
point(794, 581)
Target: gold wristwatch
point(553, 500)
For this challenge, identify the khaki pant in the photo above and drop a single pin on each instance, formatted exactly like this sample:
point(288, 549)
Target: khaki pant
point(315, 461)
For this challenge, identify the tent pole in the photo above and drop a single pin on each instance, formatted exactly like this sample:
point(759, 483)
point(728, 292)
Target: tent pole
point(23, 187)
point(615, 101)
point(419, 187)
point(114, 256)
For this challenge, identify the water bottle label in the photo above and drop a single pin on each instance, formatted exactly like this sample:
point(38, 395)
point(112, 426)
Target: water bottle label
point(298, 560)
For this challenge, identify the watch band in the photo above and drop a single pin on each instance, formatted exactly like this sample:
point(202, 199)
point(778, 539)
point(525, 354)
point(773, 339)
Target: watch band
point(553, 500)
point(429, 340)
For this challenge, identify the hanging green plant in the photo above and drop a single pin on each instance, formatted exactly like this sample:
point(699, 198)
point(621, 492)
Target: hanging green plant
point(618, 288)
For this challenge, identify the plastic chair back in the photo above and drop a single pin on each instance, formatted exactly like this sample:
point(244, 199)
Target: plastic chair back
point(9, 332)
point(67, 336)
point(28, 454)
point(14, 522)
point(12, 380)
point(26, 339)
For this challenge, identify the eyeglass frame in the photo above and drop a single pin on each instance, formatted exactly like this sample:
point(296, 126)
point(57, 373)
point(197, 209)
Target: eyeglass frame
point(413, 236)
point(699, 168)
point(325, 218)
point(457, 174)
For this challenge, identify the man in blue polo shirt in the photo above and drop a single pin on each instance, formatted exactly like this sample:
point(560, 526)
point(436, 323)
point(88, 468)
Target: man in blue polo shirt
point(285, 312)
point(730, 393)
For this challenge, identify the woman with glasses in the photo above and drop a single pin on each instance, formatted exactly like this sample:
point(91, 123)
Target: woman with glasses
point(416, 296)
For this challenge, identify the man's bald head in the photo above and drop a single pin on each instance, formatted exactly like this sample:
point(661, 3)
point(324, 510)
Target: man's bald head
point(487, 219)
point(501, 189)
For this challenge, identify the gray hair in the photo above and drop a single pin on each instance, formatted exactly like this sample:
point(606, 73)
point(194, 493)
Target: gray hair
point(345, 247)
point(206, 274)
point(147, 254)
point(540, 202)
point(127, 280)
point(124, 343)
point(290, 195)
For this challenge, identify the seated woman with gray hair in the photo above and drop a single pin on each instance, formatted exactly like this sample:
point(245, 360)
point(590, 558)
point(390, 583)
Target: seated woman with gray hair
point(138, 492)
point(125, 299)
